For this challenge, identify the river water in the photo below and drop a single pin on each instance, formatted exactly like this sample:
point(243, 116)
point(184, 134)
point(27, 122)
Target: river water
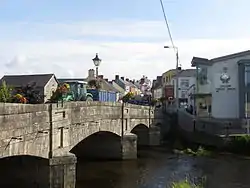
point(158, 168)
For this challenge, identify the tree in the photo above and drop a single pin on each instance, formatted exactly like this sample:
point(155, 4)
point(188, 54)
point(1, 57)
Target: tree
point(29, 94)
point(5, 93)
point(94, 84)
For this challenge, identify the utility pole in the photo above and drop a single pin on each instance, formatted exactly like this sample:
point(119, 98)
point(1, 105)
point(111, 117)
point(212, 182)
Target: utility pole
point(177, 75)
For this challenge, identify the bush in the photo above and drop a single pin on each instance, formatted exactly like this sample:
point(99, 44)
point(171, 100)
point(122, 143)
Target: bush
point(94, 84)
point(240, 144)
point(185, 184)
point(5, 93)
point(128, 97)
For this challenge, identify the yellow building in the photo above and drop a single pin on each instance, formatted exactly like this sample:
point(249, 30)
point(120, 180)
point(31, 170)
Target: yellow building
point(167, 76)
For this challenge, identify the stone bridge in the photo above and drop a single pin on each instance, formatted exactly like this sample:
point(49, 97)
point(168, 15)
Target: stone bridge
point(62, 132)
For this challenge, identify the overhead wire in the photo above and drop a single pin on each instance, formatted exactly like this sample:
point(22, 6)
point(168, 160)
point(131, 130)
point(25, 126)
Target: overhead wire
point(166, 21)
point(169, 31)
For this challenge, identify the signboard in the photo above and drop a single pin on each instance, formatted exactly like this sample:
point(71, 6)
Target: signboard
point(223, 81)
point(169, 91)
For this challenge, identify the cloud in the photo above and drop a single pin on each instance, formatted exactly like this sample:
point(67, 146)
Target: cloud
point(130, 49)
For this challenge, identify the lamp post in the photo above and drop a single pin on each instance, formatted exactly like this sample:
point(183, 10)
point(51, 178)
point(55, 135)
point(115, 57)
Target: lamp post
point(177, 74)
point(97, 62)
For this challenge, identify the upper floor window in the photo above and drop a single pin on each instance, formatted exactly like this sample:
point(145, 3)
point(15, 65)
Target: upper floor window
point(247, 75)
point(184, 83)
point(202, 75)
point(183, 94)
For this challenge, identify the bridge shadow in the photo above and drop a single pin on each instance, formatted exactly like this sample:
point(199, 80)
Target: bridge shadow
point(24, 172)
point(94, 155)
point(164, 122)
point(102, 145)
point(142, 133)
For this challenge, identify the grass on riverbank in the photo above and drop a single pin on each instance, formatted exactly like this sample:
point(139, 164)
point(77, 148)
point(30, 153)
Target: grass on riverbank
point(185, 184)
point(200, 152)
point(240, 145)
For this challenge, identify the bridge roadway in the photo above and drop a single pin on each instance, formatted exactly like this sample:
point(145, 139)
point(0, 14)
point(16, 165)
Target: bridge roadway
point(62, 132)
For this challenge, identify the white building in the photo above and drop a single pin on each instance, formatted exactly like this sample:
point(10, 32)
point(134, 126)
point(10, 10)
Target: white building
point(186, 81)
point(157, 90)
point(223, 85)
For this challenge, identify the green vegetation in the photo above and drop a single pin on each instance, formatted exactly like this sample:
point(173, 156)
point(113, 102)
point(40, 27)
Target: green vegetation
point(240, 144)
point(5, 93)
point(128, 97)
point(94, 84)
point(185, 184)
point(27, 94)
point(200, 152)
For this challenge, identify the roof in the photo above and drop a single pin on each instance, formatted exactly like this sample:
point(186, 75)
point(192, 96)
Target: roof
point(198, 60)
point(187, 73)
point(61, 80)
point(125, 82)
point(169, 71)
point(22, 80)
point(108, 87)
point(157, 83)
point(117, 87)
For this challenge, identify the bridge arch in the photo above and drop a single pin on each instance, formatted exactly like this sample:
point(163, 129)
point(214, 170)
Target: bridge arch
point(24, 171)
point(142, 132)
point(99, 145)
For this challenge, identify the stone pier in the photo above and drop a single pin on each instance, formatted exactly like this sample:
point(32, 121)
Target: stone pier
point(63, 171)
point(154, 136)
point(129, 146)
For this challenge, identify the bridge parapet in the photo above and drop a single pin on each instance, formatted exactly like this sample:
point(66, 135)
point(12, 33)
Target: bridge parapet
point(24, 127)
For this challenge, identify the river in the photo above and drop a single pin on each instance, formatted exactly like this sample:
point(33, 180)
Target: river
point(158, 168)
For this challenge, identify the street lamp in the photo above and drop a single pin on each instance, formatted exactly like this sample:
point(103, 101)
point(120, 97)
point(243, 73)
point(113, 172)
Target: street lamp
point(177, 74)
point(97, 62)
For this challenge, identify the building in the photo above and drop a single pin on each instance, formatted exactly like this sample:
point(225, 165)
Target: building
point(45, 84)
point(167, 77)
point(224, 83)
point(157, 90)
point(133, 88)
point(168, 84)
point(118, 88)
point(122, 83)
point(186, 80)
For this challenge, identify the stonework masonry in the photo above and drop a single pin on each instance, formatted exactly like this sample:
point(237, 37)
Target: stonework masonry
point(51, 131)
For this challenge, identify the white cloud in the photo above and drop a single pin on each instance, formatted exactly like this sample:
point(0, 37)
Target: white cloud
point(71, 55)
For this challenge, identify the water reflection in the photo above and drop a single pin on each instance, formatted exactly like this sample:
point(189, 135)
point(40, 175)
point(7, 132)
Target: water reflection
point(156, 169)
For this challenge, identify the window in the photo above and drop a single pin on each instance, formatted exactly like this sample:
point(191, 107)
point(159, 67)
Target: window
point(247, 104)
point(247, 75)
point(184, 83)
point(202, 75)
point(183, 94)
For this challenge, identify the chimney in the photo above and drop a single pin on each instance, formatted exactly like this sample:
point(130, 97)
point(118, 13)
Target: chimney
point(122, 78)
point(106, 79)
point(116, 77)
point(158, 78)
point(91, 73)
point(100, 76)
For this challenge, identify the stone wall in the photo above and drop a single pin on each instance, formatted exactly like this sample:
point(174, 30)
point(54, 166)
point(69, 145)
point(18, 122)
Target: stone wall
point(44, 129)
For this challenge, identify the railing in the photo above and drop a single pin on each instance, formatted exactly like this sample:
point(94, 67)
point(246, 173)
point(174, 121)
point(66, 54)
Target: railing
point(191, 123)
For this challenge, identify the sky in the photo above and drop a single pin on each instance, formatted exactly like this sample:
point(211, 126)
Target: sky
point(62, 36)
